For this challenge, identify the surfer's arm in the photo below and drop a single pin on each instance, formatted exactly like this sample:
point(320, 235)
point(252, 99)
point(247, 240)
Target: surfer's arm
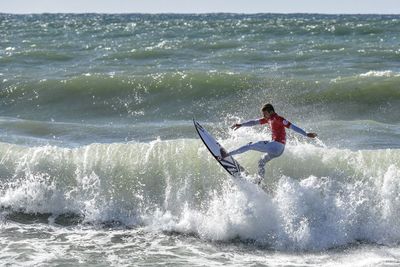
point(301, 131)
point(250, 123)
point(297, 129)
point(246, 124)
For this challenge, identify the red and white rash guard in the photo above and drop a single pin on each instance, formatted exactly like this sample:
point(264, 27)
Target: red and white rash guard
point(277, 125)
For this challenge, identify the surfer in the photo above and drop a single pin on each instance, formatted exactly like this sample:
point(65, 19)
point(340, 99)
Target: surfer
point(273, 148)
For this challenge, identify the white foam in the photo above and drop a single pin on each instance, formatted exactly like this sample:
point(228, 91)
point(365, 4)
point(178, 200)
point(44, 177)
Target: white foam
point(384, 73)
point(318, 197)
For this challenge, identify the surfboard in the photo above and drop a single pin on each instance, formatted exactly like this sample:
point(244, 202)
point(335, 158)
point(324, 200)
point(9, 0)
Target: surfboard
point(228, 163)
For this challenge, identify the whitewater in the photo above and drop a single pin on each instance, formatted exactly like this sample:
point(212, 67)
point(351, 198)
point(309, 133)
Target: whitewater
point(100, 164)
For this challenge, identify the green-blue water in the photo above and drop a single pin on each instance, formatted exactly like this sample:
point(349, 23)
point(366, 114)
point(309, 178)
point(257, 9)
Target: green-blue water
point(98, 152)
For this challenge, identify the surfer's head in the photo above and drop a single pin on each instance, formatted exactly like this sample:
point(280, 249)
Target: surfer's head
point(267, 110)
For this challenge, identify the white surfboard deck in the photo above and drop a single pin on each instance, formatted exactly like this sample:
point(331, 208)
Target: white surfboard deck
point(228, 163)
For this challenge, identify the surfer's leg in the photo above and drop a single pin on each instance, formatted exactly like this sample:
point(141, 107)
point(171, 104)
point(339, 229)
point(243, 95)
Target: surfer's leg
point(245, 148)
point(273, 150)
point(261, 165)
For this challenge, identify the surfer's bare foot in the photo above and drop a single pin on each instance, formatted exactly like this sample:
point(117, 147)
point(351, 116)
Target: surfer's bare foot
point(224, 154)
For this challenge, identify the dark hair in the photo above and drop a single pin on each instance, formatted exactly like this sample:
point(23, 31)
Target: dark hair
point(268, 107)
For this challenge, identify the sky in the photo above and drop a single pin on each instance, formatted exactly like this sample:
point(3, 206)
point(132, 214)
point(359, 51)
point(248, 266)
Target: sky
point(202, 6)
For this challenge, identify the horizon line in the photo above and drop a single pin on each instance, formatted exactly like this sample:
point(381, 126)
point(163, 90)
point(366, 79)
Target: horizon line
point(192, 13)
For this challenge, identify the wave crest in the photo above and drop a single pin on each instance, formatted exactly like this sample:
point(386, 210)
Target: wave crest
point(340, 198)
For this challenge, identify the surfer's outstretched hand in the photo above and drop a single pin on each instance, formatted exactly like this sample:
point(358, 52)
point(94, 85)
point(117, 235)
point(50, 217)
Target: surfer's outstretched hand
point(236, 126)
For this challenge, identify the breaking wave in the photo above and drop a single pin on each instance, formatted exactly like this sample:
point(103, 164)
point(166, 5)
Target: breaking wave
point(316, 197)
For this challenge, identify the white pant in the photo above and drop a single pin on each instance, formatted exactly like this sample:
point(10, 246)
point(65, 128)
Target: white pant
point(272, 149)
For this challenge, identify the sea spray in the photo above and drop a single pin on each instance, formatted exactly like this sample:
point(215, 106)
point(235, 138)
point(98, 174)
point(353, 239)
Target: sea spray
point(340, 198)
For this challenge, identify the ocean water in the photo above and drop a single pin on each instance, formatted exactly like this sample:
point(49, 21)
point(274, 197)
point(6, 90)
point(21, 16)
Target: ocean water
point(100, 164)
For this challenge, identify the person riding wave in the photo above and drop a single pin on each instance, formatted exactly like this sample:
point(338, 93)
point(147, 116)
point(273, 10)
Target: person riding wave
point(273, 148)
